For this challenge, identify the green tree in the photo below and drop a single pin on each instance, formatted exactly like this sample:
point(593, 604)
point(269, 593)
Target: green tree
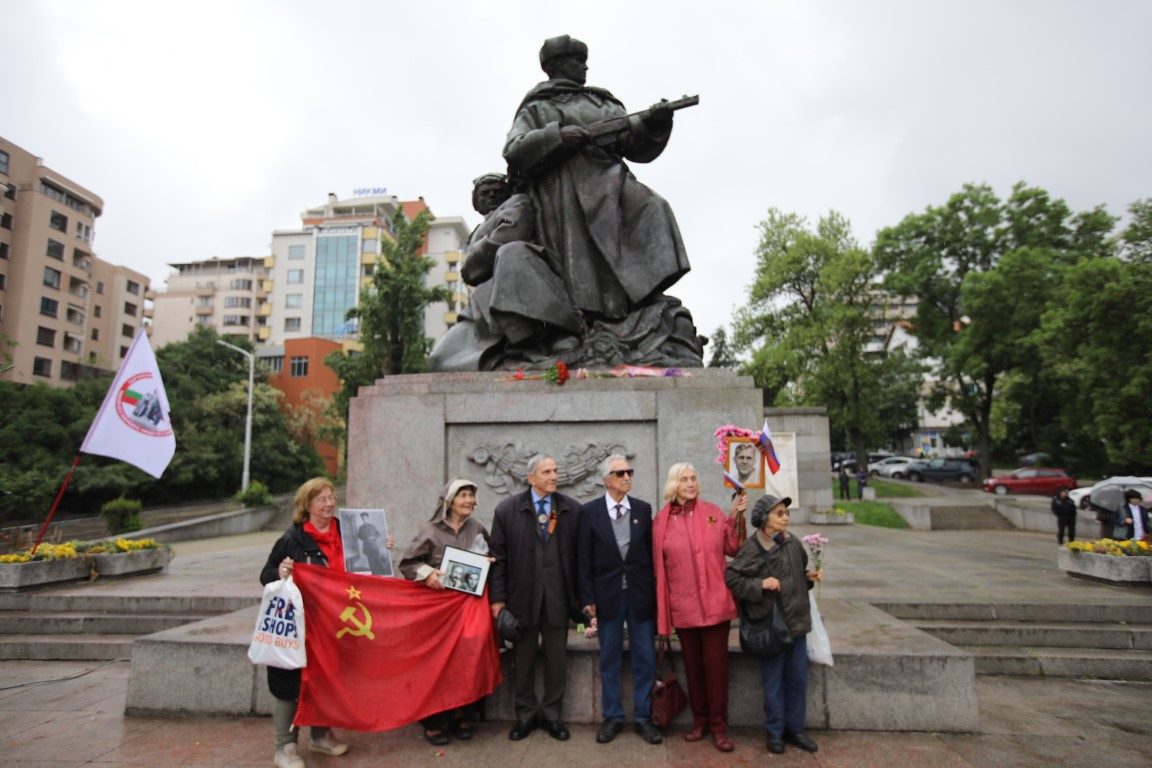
point(983, 272)
point(723, 356)
point(809, 325)
point(390, 314)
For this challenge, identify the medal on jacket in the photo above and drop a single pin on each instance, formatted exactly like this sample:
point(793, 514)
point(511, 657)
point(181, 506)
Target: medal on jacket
point(542, 518)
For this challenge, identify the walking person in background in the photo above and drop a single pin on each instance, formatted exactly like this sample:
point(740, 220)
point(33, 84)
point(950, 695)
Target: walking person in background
point(1134, 515)
point(861, 482)
point(845, 492)
point(1065, 510)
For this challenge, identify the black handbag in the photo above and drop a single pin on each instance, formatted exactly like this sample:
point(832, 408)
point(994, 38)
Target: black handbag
point(767, 637)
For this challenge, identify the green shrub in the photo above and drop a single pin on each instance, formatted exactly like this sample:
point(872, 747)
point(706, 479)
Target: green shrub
point(121, 515)
point(256, 495)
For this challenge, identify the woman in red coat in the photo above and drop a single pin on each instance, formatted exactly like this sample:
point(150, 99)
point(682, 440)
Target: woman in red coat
point(690, 541)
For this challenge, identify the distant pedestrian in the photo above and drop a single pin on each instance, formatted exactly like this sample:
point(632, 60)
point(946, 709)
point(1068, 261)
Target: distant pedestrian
point(845, 492)
point(861, 482)
point(1134, 515)
point(1065, 510)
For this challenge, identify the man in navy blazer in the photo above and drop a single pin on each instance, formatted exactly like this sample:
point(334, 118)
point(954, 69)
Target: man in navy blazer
point(617, 587)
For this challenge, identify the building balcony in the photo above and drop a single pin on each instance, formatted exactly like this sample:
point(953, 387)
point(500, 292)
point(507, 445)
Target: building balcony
point(266, 286)
point(205, 310)
point(206, 290)
point(263, 333)
point(266, 309)
point(269, 262)
point(452, 257)
point(149, 313)
point(452, 276)
point(450, 318)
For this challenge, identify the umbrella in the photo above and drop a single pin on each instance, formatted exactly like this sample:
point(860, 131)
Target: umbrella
point(1110, 494)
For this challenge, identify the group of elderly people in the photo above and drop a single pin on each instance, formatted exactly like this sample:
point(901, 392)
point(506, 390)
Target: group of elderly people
point(555, 561)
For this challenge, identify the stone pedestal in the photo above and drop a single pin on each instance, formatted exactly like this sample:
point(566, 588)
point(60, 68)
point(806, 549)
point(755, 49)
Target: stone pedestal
point(409, 434)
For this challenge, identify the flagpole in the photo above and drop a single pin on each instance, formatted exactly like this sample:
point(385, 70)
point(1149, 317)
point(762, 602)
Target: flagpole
point(55, 504)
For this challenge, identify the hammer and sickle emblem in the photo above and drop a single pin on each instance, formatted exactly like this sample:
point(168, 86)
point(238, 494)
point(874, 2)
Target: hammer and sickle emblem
point(363, 629)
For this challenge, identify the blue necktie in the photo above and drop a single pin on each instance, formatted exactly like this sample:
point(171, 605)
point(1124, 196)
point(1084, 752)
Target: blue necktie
point(542, 518)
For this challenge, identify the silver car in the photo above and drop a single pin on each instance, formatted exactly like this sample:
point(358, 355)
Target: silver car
point(893, 466)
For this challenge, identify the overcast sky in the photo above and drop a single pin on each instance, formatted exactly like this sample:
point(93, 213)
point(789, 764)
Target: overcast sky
point(206, 125)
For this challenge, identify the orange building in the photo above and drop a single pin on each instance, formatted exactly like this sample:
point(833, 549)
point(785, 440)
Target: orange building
point(298, 370)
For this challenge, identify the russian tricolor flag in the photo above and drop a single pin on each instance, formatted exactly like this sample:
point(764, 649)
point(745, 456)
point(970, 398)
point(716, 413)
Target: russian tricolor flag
point(765, 445)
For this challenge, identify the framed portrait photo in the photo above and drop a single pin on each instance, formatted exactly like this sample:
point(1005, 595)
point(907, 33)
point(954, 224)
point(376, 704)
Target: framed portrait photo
point(364, 534)
point(464, 571)
point(745, 462)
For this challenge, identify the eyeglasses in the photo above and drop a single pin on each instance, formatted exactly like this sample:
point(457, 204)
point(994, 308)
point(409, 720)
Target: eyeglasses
point(622, 473)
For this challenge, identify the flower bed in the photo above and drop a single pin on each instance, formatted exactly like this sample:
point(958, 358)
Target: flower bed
point(1114, 562)
point(75, 561)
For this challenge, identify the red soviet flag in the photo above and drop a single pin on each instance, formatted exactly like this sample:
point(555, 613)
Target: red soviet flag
point(383, 653)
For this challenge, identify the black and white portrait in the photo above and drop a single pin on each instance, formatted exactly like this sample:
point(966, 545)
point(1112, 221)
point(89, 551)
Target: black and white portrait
point(745, 462)
point(364, 533)
point(464, 571)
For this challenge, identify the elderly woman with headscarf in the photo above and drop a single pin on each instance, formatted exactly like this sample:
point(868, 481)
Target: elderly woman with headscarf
point(451, 525)
point(774, 561)
point(691, 539)
point(314, 538)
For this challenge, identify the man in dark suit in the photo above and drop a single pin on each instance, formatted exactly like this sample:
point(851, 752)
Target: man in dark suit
point(618, 587)
point(534, 542)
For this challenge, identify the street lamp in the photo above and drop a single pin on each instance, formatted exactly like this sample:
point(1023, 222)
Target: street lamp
point(248, 423)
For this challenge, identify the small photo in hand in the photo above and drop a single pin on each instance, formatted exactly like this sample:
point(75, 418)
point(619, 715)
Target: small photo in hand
point(745, 462)
point(464, 571)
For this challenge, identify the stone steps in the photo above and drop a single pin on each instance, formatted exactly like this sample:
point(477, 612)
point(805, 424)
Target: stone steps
point(88, 623)
point(67, 647)
point(1076, 663)
point(1041, 634)
point(969, 518)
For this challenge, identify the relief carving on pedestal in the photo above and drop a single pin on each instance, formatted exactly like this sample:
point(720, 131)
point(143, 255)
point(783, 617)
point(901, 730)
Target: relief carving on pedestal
point(506, 465)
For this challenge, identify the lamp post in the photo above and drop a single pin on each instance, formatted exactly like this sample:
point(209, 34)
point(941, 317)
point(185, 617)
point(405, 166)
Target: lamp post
point(248, 423)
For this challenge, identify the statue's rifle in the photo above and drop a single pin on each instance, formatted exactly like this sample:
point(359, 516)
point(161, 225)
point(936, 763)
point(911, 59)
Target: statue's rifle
point(607, 132)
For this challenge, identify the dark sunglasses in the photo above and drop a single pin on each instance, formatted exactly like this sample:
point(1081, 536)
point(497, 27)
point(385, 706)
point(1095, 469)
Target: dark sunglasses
point(622, 472)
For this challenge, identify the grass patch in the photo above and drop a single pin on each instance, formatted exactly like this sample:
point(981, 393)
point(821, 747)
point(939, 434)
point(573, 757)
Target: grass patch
point(884, 489)
point(877, 513)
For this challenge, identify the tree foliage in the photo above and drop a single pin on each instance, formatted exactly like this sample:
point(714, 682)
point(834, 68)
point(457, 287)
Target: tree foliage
point(809, 324)
point(984, 272)
point(723, 356)
point(390, 314)
point(207, 388)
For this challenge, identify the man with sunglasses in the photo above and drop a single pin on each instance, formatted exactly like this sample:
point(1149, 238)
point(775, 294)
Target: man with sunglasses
point(617, 587)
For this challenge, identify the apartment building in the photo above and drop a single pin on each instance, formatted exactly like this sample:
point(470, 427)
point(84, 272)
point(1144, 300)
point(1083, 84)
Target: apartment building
point(445, 244)
point(63, 311)
point(230, 295)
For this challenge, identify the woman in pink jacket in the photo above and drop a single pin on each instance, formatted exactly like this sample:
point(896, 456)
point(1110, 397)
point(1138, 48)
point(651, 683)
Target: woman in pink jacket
point(690, 540)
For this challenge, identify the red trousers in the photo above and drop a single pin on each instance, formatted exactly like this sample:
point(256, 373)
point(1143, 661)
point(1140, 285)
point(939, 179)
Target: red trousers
point(705, 651)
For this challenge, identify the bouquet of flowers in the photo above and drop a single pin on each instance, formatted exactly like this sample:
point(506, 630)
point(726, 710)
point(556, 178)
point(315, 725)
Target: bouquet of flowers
point(815, 543)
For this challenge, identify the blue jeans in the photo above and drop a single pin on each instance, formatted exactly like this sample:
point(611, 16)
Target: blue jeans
point(642, 648)
point(785, 679)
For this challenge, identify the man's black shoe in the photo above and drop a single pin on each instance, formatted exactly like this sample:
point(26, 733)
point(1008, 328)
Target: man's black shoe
point(608, 731)
point(775, 745)
point(521, 729)
point(558, 731)
point(650, 732)
point(801, 741)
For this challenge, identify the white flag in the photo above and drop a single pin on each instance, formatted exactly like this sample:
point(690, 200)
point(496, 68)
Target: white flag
point(132, 424)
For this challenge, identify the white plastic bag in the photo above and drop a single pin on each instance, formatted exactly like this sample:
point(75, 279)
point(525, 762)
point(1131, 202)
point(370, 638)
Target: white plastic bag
point(819, 646)
point(278, 640)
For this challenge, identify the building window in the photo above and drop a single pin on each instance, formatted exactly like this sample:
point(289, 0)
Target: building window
point(299, 367)
point(274, 364)
point(293, 301)
point(95, 334)
point(45, 337)
point(238, 301)
point(295, 252)
point(58, 221)
point(6, 221)
point(41, 366)
point(95, 310)
point(295, 276)
point(3, 250)
point(129, 309)
point(133, 287)
point(49, 307)
point(240, 285)
point(337, 283)
point(83, 232)
point(4, 163)
point(69, 371)
point(10, 192)
point(99, 287)
point(3, 282)
point(368, 246)
point(204, 301)
point(123, 352)
point(236, 320)
point(55, 250)
point(51, 277)
point(127, 331)
point(291, 324)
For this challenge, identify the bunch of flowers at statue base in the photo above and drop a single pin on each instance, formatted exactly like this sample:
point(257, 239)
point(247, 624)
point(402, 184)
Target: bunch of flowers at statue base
point(557, 374)
point(1119, 548)
point(632, 372)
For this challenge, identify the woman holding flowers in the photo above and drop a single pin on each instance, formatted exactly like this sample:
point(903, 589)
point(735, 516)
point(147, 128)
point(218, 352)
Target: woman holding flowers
point(691, 539)
point(774, 561)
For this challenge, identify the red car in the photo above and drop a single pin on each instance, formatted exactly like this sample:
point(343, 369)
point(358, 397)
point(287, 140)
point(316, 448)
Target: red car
point(1042, 480)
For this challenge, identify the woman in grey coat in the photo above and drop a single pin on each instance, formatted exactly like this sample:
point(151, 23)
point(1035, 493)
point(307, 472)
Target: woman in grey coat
point(774, 561)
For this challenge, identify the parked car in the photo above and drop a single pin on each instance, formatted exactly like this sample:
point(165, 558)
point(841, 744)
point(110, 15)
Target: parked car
point(1047, 481)
point(960, 469)
point(848, 460)
point(1081, 495)
point(893, 466)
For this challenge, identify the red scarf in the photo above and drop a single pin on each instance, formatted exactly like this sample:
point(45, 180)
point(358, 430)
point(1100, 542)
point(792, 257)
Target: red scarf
point(329, 543)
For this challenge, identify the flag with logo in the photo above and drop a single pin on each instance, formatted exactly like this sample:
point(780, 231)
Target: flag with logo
point(383, 653)
point(133, 423)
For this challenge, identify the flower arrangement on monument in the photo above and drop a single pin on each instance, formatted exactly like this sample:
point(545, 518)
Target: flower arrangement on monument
point(558, 373)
